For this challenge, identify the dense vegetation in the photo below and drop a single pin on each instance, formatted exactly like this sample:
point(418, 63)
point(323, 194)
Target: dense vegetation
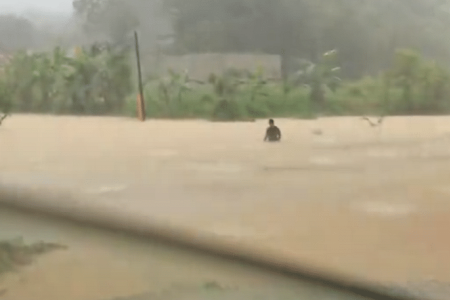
point(368, 73)
point(99, 81)
point(96, 80)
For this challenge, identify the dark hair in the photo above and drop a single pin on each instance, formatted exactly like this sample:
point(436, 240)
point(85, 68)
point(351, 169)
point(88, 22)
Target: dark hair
point(271, 121)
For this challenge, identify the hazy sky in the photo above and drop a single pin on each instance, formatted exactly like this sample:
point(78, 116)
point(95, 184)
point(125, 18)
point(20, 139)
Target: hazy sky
point(42, 5)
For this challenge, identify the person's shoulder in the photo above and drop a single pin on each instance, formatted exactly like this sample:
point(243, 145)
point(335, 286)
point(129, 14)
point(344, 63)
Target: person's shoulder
point(276, 128)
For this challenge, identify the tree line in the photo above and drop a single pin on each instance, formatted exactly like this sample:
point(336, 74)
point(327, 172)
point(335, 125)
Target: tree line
point(99, 80)
point(366, 33)
point(341, 57)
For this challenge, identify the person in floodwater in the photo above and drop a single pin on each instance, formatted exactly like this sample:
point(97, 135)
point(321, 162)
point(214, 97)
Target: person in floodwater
point(273, 133)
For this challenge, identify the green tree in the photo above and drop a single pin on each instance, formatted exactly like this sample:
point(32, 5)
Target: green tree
point(366, 33)
point(406, 71)
point(320, 76)
point(96, 81)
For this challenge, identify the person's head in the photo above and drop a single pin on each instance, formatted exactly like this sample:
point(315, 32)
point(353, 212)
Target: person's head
point(271, 122)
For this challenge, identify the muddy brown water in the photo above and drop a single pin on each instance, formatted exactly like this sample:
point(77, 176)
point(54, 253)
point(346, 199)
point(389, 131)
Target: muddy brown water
point(363, 201)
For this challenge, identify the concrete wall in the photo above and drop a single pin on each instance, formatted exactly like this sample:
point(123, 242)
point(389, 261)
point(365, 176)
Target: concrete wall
point(200, 66)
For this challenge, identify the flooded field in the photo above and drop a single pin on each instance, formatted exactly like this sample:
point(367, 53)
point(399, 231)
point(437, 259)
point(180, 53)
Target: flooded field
point(336, 192)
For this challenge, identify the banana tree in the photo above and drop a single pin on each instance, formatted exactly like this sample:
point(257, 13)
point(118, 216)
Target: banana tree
point(174, 86)
point(226, 88)
point(44, 71)
point(97, 80)
point(117, 79)
point(433, 87)
point(257, 82)
point(227, 85)
point(179, 83)
point(30, 79)
point(318, 76)
point(406, 72)
point(19, 76)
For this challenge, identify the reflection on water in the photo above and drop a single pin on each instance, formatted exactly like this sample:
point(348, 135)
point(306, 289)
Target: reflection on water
point(97, 265)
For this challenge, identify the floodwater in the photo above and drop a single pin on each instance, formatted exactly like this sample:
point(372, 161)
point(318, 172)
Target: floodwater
point(335, 193)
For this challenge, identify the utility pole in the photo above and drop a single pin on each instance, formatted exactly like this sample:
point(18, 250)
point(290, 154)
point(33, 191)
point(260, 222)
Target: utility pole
point(140, 99)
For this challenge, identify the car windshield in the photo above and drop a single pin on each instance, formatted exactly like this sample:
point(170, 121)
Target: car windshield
point(315, 129)
point(54, 259)
point(74, 250)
